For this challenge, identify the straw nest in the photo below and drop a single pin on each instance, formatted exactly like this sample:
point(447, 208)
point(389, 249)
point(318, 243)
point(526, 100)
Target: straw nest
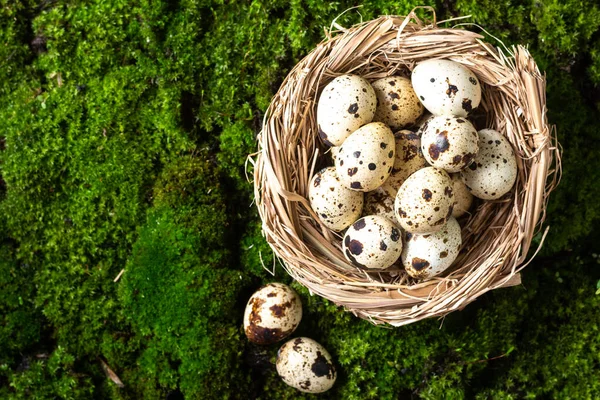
point(497, 235)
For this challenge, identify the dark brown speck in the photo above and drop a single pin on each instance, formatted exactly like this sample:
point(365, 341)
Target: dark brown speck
point(419, 264)
point(440, 145)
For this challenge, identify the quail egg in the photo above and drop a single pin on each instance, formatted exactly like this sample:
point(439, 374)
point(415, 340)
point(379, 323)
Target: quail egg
point(272, 313)
point(409, 158)
point(336, 206)
point(366, 158)
point(372, 242)
point(346, 103)
point(494, 170)
point(449, 143)
point(381, 202)
point(425, 256)
point(397, 103)
point(305, 365)
point(462, 197)
point(446, 87)
point(425, 201)
point(333, 152)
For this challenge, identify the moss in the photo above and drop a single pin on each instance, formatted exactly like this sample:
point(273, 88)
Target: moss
point(179, 290)
point(126, 127)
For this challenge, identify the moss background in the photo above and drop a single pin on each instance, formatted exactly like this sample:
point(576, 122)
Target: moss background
point(125, 126)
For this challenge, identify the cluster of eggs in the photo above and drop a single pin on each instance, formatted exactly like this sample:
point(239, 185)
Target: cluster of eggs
point(402, 177)
point(272, 314)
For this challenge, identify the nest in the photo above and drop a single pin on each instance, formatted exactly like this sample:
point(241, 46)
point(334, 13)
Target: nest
point(497, 235)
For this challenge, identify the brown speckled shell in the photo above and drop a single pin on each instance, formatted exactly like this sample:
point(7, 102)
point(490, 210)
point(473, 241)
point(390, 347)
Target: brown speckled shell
point(425, 201)
point(449, 143)
point(272, 314)
point(336, 206)
point(462, 197)
point(397, 102)
point(494, 171)
point(305, 365)
point(373, 242)
point(446, 87)
point(381, 202)
point(366, 158)
point(346, 103)
point(425, 256)
point(409, 158)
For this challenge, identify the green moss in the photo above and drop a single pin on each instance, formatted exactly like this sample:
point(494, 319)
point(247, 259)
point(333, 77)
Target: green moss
point(48, 377)
point(179, 290)
point(126, 128)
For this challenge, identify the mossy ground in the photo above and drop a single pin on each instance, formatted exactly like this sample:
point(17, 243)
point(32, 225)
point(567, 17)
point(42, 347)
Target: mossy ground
point(125, 129)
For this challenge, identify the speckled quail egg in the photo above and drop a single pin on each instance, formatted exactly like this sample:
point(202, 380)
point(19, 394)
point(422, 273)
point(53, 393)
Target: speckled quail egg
point(272, 313)
point(425, 201)
point(494, 170)
point(381, 202)
point(366, 158)
point(337, 206)
point(409, 158)
point(397, 103)
point(372, 242)
point(429, 255)
point(446, 87)
point(424, 118)
point(346, 103)
point(462, 197)
point(449, 143)
point(333, 153)
point(305, 365)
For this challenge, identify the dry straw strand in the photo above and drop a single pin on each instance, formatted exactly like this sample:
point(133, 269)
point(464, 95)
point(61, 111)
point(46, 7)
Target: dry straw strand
point(496, 237)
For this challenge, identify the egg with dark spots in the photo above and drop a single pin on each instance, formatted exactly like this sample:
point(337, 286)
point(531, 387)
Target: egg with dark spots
point(333, 152)
point(306, 365)
point(425, 256)
point(462, 197)
point(449, 143)
point(425, 201)
point(494, 170)
point(345, 104)
point(381, 202)
point(397, 104)
point(372, 242)
point(446, 87)
point(272, 314)
point(336, 206)
point(364, 160)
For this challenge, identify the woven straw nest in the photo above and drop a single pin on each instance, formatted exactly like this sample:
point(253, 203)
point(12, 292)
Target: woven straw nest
point(496, 235)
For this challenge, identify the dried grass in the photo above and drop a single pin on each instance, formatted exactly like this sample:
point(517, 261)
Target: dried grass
point(496, 236)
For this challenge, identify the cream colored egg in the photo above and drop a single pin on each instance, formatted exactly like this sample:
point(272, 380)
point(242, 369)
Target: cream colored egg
point(424, 118)
point(449, 143)
point(425, 256)
point(446, 87)
point(337, 206)
point(397, 102)
point(306, 365)
point(366, 158)
point(372, 242)
point(333, 153)
point(462, 197)
point(381, 202)
point(409, 158)
point(346, 103)
point(272, 313)
point(493, 172)
point(424, 201)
